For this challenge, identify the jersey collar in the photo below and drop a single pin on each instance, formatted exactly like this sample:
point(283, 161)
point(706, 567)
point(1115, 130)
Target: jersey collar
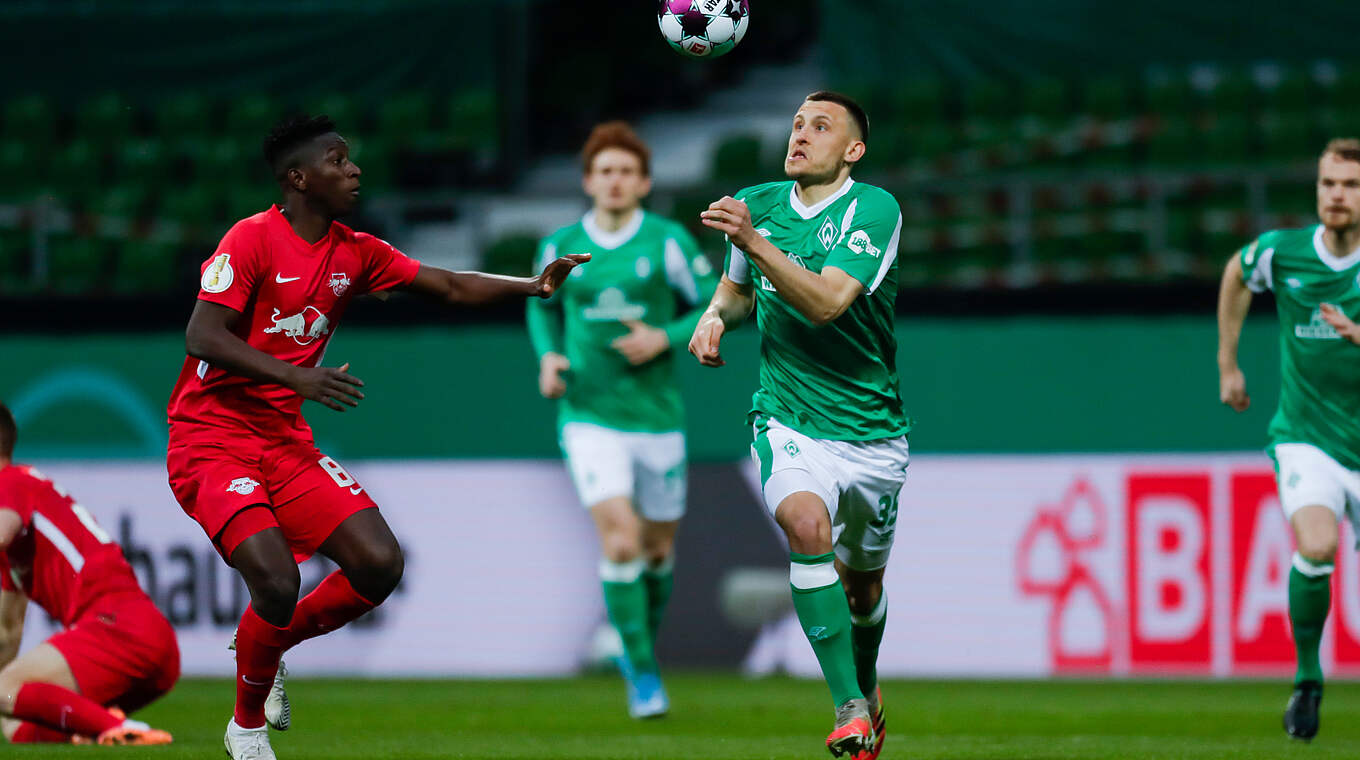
point(611, 240)
point(1333, 262)
point(276, 213)
point(806, 211)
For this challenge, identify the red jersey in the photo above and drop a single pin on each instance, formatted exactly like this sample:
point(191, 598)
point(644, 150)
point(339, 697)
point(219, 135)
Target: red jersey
point(291, 295)
point(61, 558)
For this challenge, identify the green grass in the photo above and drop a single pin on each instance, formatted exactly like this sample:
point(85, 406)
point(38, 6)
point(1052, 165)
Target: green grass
point(724, 716)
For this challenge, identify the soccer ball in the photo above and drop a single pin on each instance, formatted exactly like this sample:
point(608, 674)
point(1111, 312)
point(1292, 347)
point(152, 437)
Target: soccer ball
point(703, 28)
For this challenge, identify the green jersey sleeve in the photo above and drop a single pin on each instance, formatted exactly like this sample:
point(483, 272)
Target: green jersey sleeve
point(1257, 260)
point(867, 246)
point(690, 274)
point(544, 315)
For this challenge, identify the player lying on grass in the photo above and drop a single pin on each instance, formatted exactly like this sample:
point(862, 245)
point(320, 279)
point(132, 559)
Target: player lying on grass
point(241, 458)
point(605, 349)
point(117, 652)
point(1314, 436)
point(817, 258)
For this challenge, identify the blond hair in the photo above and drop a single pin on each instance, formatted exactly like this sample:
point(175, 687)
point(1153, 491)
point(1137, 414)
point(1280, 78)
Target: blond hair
point(1344, 148)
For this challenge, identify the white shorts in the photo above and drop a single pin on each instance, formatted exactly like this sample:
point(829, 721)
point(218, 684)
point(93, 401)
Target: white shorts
point(1308, 476)
point(859, 481)
point(648, 468)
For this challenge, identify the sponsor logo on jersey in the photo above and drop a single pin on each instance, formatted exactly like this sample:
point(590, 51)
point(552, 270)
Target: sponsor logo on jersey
point(1293, 283)
point(642, 267)
point(243, 486)
point(613, 306)
point(817, 632)
point(218, 276)
point(339, 283)
point(303, 327)
point(761, 231)
point(701, 266)
point(828, 233)
point(860, 243)
point(1316, 329)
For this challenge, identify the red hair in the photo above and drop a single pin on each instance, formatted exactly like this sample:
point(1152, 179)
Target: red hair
point(615, 134)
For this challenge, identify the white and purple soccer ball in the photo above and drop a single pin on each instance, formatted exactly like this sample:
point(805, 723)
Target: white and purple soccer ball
point(703, 28)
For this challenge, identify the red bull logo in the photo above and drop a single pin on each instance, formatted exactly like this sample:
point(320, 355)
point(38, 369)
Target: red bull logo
point(303, 327)
point(339, 283)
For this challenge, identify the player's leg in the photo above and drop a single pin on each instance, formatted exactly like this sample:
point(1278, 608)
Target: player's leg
point(265, 562)
point(661, 486)
point(370, 567)
point(1312, 495)
point(621, 578)
point(39, 690)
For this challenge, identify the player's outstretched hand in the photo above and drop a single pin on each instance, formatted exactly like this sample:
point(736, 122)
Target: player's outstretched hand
point(706, 340)
point(557, 270)
point(642, 344)
point(732, 218)
point(331, 386)
point(1232, 389)
point(1341, 323)
point(550, 369)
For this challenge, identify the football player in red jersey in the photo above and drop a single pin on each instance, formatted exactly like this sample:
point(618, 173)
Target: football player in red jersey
point(241, 458)
point(116, 650)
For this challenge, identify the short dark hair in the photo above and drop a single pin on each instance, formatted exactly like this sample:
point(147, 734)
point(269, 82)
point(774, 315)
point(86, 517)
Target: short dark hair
point(1344, 148)
point(8, 432)
point(615, 134)
point(281, 144)
point(855, 109)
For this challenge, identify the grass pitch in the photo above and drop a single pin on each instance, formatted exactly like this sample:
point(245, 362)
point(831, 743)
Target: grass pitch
point(719, 716)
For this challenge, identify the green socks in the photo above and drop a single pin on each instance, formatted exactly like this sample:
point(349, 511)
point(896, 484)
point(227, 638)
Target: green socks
point(625, 599)
point(866, 633)
point(659, 581)
point(824, 615)
point(1310, 596)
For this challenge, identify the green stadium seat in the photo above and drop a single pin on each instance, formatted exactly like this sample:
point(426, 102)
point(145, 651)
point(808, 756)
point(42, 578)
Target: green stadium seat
point(472, 121)
point(23, 170)
point(342, 109)
point(376, 160)
point(1182, 227)
point(76, 265)
point(891, 148)
point(1173, 144)
point(183, 116)
point(512, 254)
point(144, 267)
point(243, 200)
point(30, 119)
point(920, 100)
point(931, 141)
point(127, 200)
point(1108, 97)
point(195, 206)
point(250, 117)
point(144, 160)
point(1292, 93)
point(737, 158)
point(406, 116)
point(1287, 138)
point(1231, 95)
point(1346, 88)
point(76, 169)
point(230, 160)
point(16, 260)
point(1228, 139)
point(1169, 94)
point(1045, 97)
point(105, 120)
point(987, 99)
point(1296, 198)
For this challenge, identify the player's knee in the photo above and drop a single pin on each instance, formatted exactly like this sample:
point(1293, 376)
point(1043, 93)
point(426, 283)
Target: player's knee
point(808, 534)
point(862, 596)
point(275, 596)
point(381, 571)
point(9, 690)
point(620, 546)
point(1318, 549)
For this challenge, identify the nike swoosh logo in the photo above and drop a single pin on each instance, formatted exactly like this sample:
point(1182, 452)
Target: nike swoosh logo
point(280, 279)
point(252, 683)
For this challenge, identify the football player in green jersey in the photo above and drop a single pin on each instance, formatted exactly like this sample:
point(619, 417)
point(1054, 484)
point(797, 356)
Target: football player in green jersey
point(817, 257)
point(604, 344)
point(1315, 433)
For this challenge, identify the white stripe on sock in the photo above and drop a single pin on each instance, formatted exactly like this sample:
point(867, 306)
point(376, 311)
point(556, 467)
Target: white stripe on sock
point(621, 572)
point(1311, 569)
point(875, 615)
point(806, 577)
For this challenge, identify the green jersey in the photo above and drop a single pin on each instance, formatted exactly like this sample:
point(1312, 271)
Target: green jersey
point(1319, 370)
point(837, 381)
point(634, 275)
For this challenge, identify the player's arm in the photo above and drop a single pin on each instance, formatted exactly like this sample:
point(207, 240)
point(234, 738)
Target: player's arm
point(543, 317)
point(819, 297)
point(13, 606)
point(730, 306)
point(1234, 300)
point(210, 337)
point(1343, 324)
point(481, 289)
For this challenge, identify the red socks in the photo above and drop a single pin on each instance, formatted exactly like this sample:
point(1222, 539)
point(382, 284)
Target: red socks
point(62, 709)
point(330, 605)
point(259, 645)
point(32, 733)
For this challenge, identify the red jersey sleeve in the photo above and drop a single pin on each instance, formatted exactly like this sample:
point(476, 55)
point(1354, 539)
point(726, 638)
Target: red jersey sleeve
point(384, 266)
point(12, 498)
point(230, 277)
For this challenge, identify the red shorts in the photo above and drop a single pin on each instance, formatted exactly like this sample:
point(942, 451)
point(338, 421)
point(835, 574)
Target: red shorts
point(307, 493)
point(122, 651)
